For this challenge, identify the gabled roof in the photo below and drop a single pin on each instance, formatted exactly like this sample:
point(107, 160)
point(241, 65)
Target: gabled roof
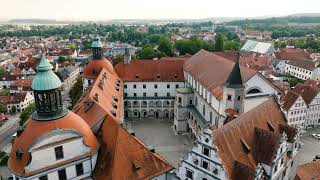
point(97, 101)
point(151, 70)
point(123, 157)
point(308, 171)
point(292, 54)
point(212, 71)
point(237, 141)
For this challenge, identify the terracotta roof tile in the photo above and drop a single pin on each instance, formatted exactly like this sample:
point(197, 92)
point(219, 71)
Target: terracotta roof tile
point(212, 71)
point(309, 171)
point(151, 70)
point(124, 157)
point(233, 138)
point(93, 68)
point(104, 88)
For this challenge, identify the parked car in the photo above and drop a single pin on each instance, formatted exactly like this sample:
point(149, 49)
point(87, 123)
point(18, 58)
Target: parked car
point(317, 158)
point(316, 135)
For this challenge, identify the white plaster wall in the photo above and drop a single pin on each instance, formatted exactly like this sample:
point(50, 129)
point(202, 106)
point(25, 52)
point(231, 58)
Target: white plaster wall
point(162, 89)
point(296, 115)
point(258, 82)
point(46, 157)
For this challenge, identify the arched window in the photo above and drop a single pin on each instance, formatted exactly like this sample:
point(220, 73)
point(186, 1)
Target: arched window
point(254, 91)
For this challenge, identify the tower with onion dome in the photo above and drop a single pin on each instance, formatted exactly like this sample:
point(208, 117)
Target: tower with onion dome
point(54, 143)
point(93, 68)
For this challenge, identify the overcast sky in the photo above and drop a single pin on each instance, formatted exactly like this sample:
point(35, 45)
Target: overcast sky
point(152, 9)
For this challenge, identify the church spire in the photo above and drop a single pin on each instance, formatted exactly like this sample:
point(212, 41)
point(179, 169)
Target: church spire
point(235, 80)
point(96, 48)
point(46, 86)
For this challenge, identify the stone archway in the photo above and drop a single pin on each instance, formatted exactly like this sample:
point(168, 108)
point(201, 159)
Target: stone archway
point(144, 113)
point(158, 113)
point(166, 113)
point(171, 113)
point(152, 104)
point(159, 104)
point(136, 113)
point(151, 113)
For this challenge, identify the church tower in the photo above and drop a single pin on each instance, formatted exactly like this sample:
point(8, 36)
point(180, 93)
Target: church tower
point(233, 90)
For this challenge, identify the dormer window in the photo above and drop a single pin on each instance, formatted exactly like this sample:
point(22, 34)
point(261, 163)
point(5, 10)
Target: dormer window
point(158, 76)
point(113, 113)
point(93, 71)
point(19, 154)
point(245, 146)
point(137, 76)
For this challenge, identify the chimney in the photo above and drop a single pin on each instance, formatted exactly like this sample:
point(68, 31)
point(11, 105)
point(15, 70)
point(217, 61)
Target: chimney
point(127, 55)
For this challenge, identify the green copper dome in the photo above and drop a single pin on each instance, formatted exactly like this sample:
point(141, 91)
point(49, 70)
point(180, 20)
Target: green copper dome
point(96, 43)
point(45, 79)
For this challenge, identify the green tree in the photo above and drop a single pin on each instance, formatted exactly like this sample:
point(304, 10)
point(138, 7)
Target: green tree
point(26, 113)
point(3, 72)
point(72, 46)
point(13, 109)
point(192, 46)
point(165, 46)
point(76, 92)
point(3, 108)
point(219, 42)
point(232, 45)
point(148, 52)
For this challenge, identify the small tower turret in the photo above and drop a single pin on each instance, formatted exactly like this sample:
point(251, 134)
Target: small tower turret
point(47, 92)
point(127, 55)
point(96, 48)
point(233, 89)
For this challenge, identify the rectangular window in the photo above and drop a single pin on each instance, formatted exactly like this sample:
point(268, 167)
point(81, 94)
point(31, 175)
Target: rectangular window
point(144, 94)
point(168, 86)
point(144, 86)
point(205, 164)
point(190, 102)
point(229, 97)
point(134, 86)
point(62, 174)
point(125, 86)
point(79, 169)
point(177, 86)
point(156, 86)
point(59, 152)
point(179, 100)
point(44, 177)
point(189, 174)
point(135, 94)
point(168, 94)
point(206, 151)
point(155, 94)
point(125, 94)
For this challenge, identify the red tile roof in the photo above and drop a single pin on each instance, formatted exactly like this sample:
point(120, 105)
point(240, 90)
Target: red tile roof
point(124, 157)
point(292, 54)
point(93, 68)
point(151, 70)
point(212, 71)
point(308, 171)
point(243, 133)
point(93, 109)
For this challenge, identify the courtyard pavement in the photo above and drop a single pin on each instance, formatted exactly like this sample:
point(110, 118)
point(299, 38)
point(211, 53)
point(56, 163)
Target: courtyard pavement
point(310, 146)
point(158, 133)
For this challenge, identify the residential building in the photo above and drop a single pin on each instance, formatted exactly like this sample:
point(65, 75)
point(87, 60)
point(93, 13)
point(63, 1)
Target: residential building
point(256, 145)
point(19, 101)
point(68, 77)
point(304, 69)
point(256, 35)
point(301, 105)
point(21, 85)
